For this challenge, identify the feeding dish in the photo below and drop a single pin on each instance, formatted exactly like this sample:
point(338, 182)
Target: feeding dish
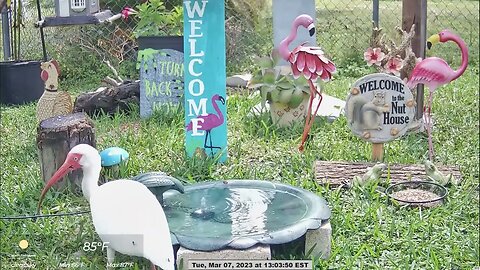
point(241, 213)
point(417, 193)
point(113, 156)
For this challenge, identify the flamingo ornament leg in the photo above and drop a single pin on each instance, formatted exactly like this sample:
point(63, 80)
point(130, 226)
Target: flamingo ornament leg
point(434, 72)
point(309, 61)
point(429, 125)
point(310, 118)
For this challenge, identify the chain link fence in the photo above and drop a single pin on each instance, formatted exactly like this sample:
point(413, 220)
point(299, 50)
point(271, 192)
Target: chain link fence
point(344, 29)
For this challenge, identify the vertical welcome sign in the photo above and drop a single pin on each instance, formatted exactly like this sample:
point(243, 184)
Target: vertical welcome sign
point(205, 94)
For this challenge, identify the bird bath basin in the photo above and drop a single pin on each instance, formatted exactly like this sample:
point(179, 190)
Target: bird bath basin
point(239, 214)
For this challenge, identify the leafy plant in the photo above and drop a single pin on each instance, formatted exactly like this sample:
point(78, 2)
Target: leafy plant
point(277, 84)
point(154, 19)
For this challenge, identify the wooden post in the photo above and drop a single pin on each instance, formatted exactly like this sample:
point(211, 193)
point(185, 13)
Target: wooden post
point(56, 136)
point(415, 12)
point(205, 79)
point(377, 151)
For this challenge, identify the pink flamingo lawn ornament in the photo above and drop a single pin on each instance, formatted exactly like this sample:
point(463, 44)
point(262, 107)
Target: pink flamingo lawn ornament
point(210, 121)
point(434, 72)
point(309, 61)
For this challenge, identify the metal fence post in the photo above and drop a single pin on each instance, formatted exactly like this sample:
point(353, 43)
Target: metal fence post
point(6, 34)
point(375, 11)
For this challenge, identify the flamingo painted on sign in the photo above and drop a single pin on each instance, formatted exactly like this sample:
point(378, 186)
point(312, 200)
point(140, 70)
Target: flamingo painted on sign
point(434, 72)
point(309, 61)
point(209, 122)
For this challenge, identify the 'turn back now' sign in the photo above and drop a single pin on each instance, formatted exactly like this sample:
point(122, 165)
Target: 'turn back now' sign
point(205, 78)
point(161, 79)
point(379, 108)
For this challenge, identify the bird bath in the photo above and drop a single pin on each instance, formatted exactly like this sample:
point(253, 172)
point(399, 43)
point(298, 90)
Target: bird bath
point(239, 214)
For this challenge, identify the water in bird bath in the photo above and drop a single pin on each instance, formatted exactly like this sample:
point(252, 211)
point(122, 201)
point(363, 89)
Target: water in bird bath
point(241, 213)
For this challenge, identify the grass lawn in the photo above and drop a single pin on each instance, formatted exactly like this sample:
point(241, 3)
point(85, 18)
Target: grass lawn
point(368, 233)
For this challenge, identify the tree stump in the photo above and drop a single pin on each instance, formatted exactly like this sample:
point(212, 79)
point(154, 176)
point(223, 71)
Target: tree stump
point(56, 136)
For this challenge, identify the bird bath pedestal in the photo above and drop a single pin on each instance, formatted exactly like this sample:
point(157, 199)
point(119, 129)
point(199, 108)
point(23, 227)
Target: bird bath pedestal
point(240, 219)
point(317, 241)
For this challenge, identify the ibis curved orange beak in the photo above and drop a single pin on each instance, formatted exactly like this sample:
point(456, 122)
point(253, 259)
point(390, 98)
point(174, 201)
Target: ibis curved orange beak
point(70, 164)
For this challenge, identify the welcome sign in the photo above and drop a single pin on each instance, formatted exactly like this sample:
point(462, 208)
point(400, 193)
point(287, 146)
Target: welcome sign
point(161, 79)
point(205, 78)
point(379, 108)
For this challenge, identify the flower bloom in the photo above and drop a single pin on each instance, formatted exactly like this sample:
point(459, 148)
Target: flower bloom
point(393, 66)
point(373, 56)
point(127, 11)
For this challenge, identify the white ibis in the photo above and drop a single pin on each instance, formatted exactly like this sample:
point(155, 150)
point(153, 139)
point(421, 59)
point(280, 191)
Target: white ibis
point(125, 213)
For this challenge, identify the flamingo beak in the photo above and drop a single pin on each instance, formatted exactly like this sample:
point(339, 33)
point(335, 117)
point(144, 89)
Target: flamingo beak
point(222, 99)
point(311, 29)
point(70, 164)
point(434, 39)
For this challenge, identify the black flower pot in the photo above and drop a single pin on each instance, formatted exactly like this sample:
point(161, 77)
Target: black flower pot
point(20, 82)
point(161, 42)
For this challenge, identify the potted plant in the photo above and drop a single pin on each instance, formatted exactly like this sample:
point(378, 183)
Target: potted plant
point(287, 96)
point(158, 27)
point(20, 80)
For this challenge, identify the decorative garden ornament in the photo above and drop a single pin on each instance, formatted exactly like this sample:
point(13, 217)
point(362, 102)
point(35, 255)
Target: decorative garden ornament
point(437, 176)
point(287, 97)
point(390, 56)
point(309, 61)
point(53, 102)
point(374, 56)
point(434, 72)
point(373, 173)
point(125, 213)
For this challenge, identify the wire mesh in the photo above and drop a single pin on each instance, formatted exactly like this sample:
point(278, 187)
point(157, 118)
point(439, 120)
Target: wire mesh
point(344, 28)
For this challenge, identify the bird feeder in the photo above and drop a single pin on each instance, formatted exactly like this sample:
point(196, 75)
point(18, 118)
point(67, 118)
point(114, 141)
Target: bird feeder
point(66, 8)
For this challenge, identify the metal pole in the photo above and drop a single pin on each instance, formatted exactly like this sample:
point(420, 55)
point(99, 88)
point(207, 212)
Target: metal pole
point(375, 15)
point(42, 35)
point(423, 40)
point(6, 34)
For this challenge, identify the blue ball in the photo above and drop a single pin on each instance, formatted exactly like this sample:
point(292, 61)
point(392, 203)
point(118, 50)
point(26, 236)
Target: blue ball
point(113, 156)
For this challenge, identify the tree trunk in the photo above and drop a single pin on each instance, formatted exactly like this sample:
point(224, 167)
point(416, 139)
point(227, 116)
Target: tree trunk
point(56, 136)
point(109, 100)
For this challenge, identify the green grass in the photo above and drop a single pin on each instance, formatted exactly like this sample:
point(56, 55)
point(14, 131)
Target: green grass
point(368, 233)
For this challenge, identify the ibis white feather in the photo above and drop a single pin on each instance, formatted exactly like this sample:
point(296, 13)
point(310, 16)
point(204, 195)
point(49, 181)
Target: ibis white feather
point(124, 212)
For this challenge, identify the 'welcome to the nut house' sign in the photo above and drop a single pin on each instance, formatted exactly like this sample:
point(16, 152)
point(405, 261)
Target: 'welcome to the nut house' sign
point(379, 108)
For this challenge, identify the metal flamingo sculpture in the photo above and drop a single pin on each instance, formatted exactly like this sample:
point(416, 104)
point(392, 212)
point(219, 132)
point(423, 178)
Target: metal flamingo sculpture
point(434, 72)
point(309, 61)
point(210, 121)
